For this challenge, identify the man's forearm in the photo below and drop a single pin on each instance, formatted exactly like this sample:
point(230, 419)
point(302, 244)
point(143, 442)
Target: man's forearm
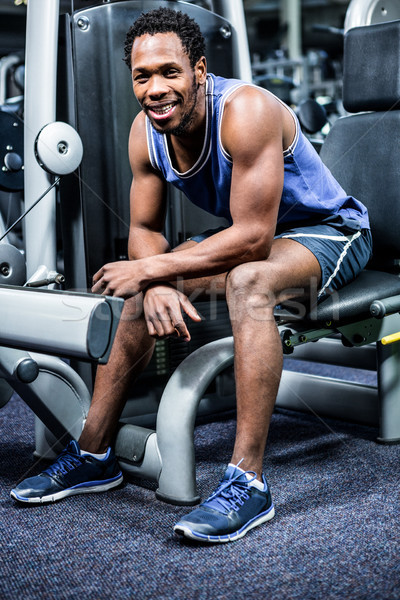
point(215, 255)
point(145, 243)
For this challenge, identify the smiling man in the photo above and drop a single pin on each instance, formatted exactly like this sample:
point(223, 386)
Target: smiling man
point(237, 151)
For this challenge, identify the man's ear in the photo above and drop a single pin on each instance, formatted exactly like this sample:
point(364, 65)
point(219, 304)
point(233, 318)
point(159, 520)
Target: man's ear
point(200, 70)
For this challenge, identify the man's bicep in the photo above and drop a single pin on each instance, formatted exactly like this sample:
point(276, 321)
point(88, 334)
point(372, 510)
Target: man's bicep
point(148, 201)
point(256, 191)
point(147, 198)
point(257, 171)
point(148, 189)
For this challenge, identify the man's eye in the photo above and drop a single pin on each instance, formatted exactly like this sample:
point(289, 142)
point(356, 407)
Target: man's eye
point(171, 73)
point(140, 78)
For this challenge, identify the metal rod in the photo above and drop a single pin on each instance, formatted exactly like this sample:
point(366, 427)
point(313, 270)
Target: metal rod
point(29, 209)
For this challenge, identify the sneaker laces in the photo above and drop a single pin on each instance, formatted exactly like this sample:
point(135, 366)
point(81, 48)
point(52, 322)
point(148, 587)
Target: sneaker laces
point(64, 463)
point(232, 493)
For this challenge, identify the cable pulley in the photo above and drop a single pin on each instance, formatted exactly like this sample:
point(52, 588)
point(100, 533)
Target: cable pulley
point(58, 148)
point(12, 265)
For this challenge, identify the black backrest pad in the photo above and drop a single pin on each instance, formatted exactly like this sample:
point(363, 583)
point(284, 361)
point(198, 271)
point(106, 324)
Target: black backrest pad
point(362, 151)
point(371, 67)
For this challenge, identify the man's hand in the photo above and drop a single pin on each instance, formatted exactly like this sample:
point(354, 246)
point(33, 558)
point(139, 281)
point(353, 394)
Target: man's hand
point(124, 278)
point(163, 306)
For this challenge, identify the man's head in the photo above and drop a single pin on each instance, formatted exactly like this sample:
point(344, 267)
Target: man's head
point(166, 20)
point(168, 67)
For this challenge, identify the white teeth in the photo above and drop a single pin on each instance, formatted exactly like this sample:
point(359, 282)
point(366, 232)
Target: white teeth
point(163, 110)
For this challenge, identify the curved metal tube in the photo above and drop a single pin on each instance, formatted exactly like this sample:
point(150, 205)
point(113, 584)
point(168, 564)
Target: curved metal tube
point(176, 418)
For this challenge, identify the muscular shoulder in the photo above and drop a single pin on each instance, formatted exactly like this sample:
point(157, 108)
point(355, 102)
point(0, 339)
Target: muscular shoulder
point(254, 116)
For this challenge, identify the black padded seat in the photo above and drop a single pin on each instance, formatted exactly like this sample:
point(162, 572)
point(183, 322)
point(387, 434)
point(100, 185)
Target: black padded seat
point(349, 304)
point(353, 302)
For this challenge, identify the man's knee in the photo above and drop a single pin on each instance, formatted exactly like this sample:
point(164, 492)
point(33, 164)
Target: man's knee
point(250, 287)
point(245, 277)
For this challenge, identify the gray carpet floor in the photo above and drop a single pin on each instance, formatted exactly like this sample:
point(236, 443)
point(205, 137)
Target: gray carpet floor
point(335, 534)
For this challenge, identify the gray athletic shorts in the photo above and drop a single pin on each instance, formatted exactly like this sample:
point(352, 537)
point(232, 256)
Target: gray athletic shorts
point(341, 253)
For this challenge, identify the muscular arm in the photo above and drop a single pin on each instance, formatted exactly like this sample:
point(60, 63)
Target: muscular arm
point(147, 199)
point(252, 133)
point(162, 306)
point(255, 144)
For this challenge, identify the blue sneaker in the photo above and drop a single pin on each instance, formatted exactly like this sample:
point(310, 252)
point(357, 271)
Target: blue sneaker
point(70, 474)
point(230, 512)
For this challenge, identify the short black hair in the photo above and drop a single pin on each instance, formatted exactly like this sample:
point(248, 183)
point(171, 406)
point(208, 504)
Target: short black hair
point(166, 20)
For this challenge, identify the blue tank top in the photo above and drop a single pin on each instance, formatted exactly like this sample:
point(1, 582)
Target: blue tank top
point(310, 192)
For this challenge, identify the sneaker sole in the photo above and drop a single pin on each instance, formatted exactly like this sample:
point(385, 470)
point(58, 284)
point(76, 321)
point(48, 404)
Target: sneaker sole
point(70, 492)
point(184, 530)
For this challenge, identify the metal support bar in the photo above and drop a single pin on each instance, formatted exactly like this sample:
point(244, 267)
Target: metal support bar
point(331, 351)
point(5, 64)
point(233, 11)
point(176, 418)
point(389, 392)
point(329, 397)
point(290, 15)
point(3, 228)
point(40, 110)
point(57, 395)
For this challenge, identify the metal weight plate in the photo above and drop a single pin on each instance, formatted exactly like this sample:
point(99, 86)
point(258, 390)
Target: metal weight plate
point(59, 148)
point(12, 265)
point(11, 152)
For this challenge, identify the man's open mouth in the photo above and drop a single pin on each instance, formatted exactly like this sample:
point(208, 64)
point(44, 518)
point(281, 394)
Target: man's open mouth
point(159, 113)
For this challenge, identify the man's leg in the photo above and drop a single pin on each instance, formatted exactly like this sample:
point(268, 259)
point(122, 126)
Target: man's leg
point(253, 291)
point(131, 352)
point(243, 500)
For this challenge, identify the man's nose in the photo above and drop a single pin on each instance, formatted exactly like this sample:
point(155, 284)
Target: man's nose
point(157, 86)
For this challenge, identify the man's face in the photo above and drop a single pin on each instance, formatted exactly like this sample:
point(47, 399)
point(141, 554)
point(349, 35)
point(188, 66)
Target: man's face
point(164, 83)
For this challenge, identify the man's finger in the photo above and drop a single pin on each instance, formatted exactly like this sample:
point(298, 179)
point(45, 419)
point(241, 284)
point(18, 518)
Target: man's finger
point(182, 330)
point(97, 288)
point(189, 308)
point(97, 276)
point(151, 329)
point(178, 323)
point(157, 326)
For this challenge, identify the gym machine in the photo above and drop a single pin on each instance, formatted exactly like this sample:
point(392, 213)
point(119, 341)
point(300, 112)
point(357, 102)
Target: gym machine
point(87, 41)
